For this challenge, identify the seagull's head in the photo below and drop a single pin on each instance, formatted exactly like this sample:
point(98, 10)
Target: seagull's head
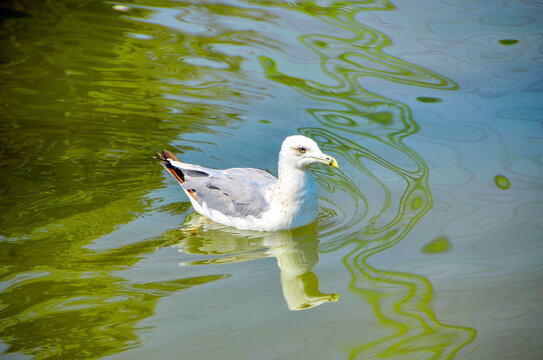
point(301, 152)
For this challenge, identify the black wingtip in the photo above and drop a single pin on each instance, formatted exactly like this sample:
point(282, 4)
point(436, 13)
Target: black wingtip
point(178, 172)
point(164, 156)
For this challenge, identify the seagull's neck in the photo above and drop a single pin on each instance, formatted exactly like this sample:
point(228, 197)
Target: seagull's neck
point(293, 198)
point(294, 185)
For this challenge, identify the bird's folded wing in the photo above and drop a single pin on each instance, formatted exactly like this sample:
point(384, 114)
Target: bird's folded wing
point(238, 192)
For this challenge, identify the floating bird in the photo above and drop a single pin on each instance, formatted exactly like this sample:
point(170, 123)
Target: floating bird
point(253, 199)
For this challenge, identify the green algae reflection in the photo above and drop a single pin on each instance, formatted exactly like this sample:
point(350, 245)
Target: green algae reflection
point(347, 110)
point(501, 181)
point(508, 42)
point(439, 245)
point(80, 117)
point(85, 105)
point(67, 286)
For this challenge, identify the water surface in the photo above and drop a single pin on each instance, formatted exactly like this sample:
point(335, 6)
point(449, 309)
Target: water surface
point(429, 239)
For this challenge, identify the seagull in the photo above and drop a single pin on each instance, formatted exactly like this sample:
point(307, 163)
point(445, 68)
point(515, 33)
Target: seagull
point(253, 199)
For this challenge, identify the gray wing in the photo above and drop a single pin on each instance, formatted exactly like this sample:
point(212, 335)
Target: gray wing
point(237, 192)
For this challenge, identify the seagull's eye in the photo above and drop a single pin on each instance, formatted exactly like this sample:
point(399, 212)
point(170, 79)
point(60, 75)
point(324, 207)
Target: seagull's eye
point(301, 150)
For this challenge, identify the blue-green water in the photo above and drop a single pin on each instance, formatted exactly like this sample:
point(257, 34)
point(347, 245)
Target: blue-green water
point(429, 242)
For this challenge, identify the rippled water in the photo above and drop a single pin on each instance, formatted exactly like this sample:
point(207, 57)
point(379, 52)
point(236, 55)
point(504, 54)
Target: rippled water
point(429, 238)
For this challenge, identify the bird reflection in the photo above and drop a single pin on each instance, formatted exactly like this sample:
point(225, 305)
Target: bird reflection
point(295, 251)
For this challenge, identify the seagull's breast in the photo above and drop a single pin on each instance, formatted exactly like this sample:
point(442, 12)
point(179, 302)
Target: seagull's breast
point(293, 202)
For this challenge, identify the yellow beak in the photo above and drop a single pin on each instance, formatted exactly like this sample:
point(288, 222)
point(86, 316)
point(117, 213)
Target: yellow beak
point(328, 160)
point(333, 162)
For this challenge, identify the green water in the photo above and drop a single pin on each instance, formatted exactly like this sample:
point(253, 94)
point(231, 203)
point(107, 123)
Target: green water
point(429, 242)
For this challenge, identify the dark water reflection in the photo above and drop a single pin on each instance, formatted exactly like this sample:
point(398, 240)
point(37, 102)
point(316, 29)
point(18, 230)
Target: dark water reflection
point(98, 262)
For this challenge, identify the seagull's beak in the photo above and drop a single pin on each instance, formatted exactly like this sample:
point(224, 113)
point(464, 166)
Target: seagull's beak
point(327, 160)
